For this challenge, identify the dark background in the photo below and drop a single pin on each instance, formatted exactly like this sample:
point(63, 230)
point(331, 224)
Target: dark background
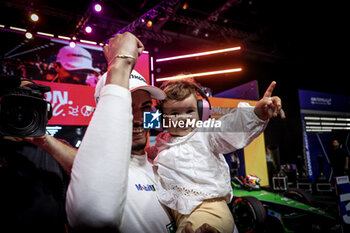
point(299, 44)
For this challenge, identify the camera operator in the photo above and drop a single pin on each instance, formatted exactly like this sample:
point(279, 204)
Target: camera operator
point(34, 171)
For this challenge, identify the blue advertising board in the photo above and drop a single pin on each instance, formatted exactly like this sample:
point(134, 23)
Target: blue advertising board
point(324, 117)
point(313, 100)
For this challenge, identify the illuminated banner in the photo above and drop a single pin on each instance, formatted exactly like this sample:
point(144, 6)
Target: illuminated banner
point(324, 117)
point(254, 160)
point(222, 106)
point(72, 104)
point(313, 100)
point(142, 66)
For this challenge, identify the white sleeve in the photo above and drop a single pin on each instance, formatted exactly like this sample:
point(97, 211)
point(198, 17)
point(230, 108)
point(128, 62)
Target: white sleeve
point(238, 129)
point(97, 190)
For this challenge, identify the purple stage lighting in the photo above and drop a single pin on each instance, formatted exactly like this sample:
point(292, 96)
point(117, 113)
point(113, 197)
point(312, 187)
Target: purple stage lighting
point(97, 7)
point(88, 29)
point(72, 44)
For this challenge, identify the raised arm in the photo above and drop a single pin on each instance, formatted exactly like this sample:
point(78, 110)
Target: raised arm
point(97, 191)
point(241, 127)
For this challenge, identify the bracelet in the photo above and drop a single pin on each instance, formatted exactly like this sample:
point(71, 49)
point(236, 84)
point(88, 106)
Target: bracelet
point(125, 56)
point(122, 56)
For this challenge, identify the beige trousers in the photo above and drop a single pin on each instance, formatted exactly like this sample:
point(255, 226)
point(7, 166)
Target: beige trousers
point(214, 212)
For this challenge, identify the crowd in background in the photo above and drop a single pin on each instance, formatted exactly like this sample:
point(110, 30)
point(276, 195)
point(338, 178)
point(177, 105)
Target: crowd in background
point(45, 71)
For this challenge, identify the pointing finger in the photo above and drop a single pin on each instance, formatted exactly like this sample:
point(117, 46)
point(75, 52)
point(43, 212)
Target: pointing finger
point(269, 90)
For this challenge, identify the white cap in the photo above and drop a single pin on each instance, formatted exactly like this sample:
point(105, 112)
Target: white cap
point(136, 82)
point(76, 58)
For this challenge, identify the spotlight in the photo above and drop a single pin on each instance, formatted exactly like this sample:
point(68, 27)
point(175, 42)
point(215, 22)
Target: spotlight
point(72, 44)
point(149, 23)
point(88, 29)
point(29, 35)
point(77, 144)
point(34, 17)
point(200, 74)
point(97, 7)
point(200, 54)
point(185, 6)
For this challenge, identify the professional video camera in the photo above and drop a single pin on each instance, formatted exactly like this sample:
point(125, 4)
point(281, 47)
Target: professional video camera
point(23, 110)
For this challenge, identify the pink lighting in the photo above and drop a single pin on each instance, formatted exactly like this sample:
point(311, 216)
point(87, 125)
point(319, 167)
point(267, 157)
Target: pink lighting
point(72, 44)
point(149, 23)
point(88, 29)
point(199, 74)
point(34, 17)
point(28, 35)
point(97, 7)
point(199, 54)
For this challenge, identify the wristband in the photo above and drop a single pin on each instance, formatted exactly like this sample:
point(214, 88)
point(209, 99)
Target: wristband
point(122, 56)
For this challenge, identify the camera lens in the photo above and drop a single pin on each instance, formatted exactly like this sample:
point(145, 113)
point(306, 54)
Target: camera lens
point(21, 116)
point(22, 119)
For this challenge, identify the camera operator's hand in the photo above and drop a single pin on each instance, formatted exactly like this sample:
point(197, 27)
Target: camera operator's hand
point(34, 140)
point(38, 141)
point(122, 53)
point(57, 148)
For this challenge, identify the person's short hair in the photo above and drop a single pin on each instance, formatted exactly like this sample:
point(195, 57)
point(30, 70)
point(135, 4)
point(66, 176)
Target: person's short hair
point(178, 90)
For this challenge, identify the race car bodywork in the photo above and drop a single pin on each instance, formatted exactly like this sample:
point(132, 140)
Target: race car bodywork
point(258, 210)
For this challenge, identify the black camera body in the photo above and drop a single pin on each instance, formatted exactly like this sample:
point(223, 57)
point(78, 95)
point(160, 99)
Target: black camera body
point(23, 110)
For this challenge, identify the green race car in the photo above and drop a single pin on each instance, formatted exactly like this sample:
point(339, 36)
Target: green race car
point(258, 210)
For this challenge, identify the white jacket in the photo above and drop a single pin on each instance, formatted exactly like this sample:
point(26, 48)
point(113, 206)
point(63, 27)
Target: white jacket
point(109, 188)
point(192, 168)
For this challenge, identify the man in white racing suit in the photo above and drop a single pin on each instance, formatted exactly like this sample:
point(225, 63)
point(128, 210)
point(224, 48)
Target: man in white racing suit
point(109, 189)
